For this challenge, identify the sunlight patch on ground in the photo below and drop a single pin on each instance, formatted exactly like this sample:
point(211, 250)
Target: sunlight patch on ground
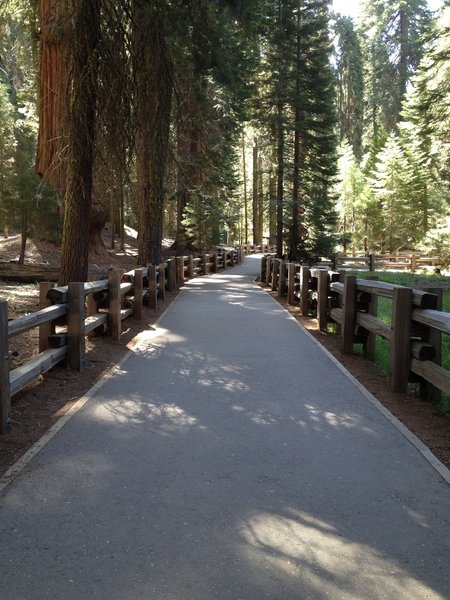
point(332, 419)
point(167, 417)
point(222, 376)
point(142, 341)
point(330, 565)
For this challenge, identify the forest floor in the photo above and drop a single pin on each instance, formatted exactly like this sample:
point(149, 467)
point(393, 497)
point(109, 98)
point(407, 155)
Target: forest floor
point(36, 409)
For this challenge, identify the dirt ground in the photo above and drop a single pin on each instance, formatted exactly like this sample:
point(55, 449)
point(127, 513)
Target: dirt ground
point(36, 409)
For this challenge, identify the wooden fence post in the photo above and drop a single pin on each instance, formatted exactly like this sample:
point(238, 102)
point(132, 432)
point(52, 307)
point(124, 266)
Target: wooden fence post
point(434, 337)
point(76, 341)
point(162, 281)
point(215, 262)
point(138, 292)
point(401, 338)
point(204, 264)
point(370, 346)
point(262, 276)
point(152, 287)
point(282, 279)
point(46, 329)
point(171, 275)
point(371, 262)
point(269, 264)
point(275, 273)
point(180, 270)
point(91, 305)
point(5, 395)
point(190, 266)
point(115, 322)
point(348, 314)
point(304, 290)
point(322, 301)
point(291, 283)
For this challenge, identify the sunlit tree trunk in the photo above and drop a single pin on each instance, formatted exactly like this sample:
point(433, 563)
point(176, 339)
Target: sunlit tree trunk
point(54, 40)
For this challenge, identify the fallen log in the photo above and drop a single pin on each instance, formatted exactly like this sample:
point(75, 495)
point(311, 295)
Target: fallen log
point(12, 271)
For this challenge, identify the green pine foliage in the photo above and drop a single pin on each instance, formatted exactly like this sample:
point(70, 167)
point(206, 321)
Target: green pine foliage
point(350, 83)
point(392, 38)
point(289, 73)
point(25, 204)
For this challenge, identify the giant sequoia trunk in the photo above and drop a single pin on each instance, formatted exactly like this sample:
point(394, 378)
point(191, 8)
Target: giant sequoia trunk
point(81, 128)
point(153, 95)
point(53, 79)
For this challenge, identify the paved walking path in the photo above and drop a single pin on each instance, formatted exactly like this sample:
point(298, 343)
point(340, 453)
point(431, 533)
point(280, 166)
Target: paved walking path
point(229, 457)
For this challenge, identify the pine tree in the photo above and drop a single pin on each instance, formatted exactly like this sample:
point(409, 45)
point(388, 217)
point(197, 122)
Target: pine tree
point(393, 186)
point(428, 107)
point(7, 143)
point(318, 138)
point(424, 133)
point(350, 84)
point(392, 38)
point(353, 202)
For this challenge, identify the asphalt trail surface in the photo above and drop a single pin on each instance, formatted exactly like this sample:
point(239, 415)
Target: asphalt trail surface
point(228, 457)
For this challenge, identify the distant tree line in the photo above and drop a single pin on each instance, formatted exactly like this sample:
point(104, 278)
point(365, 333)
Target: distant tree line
point(393, 73)
point(224, 121)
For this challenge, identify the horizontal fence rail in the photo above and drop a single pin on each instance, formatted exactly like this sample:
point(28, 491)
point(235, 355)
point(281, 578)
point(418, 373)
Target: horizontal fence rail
point(405, 261)
point(68, 313)
point(414, 333)
point(259, 249)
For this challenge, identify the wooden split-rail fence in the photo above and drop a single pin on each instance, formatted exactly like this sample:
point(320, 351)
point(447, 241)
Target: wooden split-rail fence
point(414, 333)
point(258, 249)
point(399, 261)
point(67, 314)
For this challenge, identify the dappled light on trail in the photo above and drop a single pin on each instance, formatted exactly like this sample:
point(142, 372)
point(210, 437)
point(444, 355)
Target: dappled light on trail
point(166, 418)
point(228, 457)
point(296, 545)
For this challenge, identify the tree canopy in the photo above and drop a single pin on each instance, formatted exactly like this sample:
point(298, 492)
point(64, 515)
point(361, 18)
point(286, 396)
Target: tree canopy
point(219, 122)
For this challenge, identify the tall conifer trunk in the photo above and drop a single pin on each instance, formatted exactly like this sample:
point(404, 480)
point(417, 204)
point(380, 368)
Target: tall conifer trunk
point(191, 152)
point(153, 97)
point(256, 219)
point(403, 66)
point(81, 130)
point(54, 36)
point(280, 177)
point(244, 174)
point(295, 234)
point(280, 141)
point(260, 199)
point(273, 196)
